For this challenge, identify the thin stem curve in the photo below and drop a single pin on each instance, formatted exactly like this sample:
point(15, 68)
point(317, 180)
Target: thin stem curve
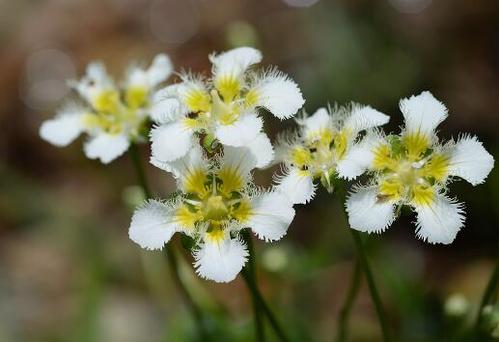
point(249, 275)
point(364, 263)
point(170, 252)
point(487, 296)
point(257, 296)
point(346, 309)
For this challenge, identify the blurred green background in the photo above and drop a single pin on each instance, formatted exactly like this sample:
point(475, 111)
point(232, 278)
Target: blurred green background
point(68, 271)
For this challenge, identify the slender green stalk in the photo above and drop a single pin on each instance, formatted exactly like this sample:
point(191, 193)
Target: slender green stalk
point(487, 296)
point(256, 294)
point(371, 284)
point(349, 301)
point(195, 310)
point(378, 305)
point(141, 176)
point(170, 252)
point(249, 274)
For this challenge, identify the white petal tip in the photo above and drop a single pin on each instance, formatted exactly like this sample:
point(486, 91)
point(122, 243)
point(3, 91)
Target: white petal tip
point(280, 95)
point(366, 213)
point(470, 160)
point(170, 142)
point(220, 261)
point(439, 222)
point(272, 215)
point(106, 147)
point(151, 225)
point(297, 186)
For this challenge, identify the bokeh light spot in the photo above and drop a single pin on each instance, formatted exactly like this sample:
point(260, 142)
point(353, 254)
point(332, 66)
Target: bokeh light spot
point(275, 259)
point(410, 6)
point(174, 22)
point(300, 3)
point(44, 80)
point(241, 33)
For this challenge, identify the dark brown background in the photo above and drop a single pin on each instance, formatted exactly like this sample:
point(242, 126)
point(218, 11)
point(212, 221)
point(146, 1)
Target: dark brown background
point(67, 268)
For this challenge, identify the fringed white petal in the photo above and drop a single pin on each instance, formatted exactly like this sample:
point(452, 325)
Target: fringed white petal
point(166, 110)
point(262, 149)
point(137, 77)
point(183, 168)
point(423, 113)
point(440, 221)
point(170, 141)
point(106, 147)
point(279, 95)
point(281, 153)
point(366, 213)
point(240, 133)
point(95, 80)
point(297, 185)
point(271, 215)
point(356, 160)
point(470, 161)
point(166, 105)
point(65, 127)
point(220, 261)
point(239, 160)
point(96, 71)
point(152, 225)
point(235, 62)
point(165, 166)
point(160, 69)
point(185, 90)
point(317, 122)
point(364, 117)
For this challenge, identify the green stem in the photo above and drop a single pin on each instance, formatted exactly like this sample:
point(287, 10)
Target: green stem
point(141, 176)
point(378, 305)
point(195, 311)
point(170, 252)
point(256, 294)
point(487, 296)
point(371, 284)
point(347, 306)
point(249, 274)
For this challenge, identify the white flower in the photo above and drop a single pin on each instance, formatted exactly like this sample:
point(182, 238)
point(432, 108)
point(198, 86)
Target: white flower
point(217, 200)
point(111, 116)
point(414, 169)
point(222, 109)
point(325, 146)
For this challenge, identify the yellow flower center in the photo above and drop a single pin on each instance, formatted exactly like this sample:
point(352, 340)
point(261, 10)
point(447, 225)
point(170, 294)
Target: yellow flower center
point(215, 208)
point(113, 116)
point(407, 172)
point(107, 101)
point(227, 112)
point(320, 152)
point(213, 199)
point(223, 104)
point(228, 86)
point(410, 171)
point(136, 97)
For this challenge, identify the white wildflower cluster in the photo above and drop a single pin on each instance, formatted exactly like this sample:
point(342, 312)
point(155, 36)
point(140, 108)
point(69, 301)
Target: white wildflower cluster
point(323, 148)
point(217, 200)
point(112, 116)
point(223, 109)
point(414, 169)
point(410, 169)
point(208, 134)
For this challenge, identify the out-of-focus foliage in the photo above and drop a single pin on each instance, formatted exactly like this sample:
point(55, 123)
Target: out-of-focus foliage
point(68, 271)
